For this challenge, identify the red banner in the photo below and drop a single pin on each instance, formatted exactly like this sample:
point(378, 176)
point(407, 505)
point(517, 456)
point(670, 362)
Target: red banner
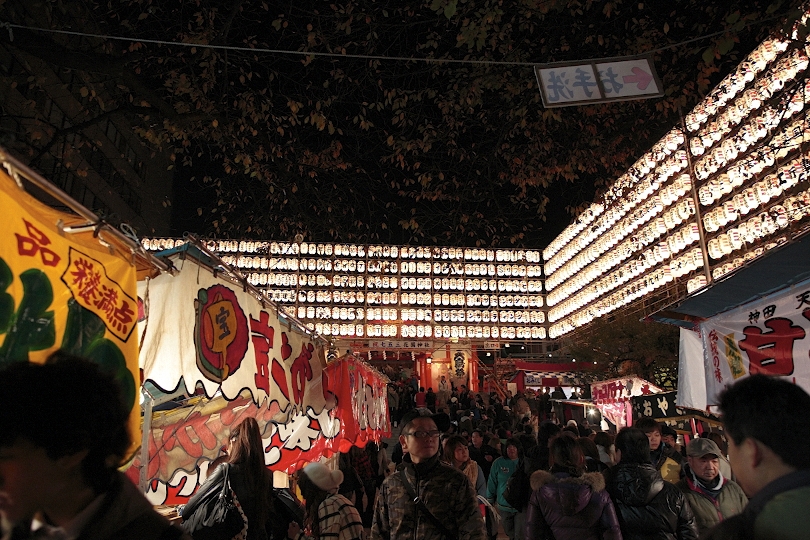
point(184, 442)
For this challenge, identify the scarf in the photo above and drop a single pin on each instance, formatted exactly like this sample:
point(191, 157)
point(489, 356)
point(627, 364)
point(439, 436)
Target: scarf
point(712, 489)
point(470, 469)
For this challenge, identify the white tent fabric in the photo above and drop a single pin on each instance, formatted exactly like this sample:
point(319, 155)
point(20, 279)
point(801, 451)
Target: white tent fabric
point(691, 371)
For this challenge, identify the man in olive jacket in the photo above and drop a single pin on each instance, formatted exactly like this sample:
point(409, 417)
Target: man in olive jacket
point(768, 429)
point(446, 492)
point(711, 496)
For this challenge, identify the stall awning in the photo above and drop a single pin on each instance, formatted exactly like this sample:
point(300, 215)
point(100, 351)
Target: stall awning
point(782, 268)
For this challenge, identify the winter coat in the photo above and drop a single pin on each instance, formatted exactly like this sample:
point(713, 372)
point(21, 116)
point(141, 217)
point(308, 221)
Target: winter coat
point(648, 507)
point(248, 500)
point(778, 510)
point(710, 511)
point(338, 519)
point(446, 491)
point(499, 475)
point(668, 463)
point(563, 507)
point(124, 514)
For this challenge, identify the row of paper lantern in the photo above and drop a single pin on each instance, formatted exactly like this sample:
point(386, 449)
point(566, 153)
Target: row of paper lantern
point(679, 266)
point(601, 254)
point(751, 231)
point(789, 67)
point(752, 99)
point(160, 244)
point(734, 83)
point(628, 271)
point(752, 197)
point(626, 295)
point(352, 250)
point(570, 232)
point(738, 262)
point(763, 225)
point(726, 152)
point(427, 331)
point(786, 140)
point(674, 242)
point(751, 132)
point(427, 299)
point(641, 195)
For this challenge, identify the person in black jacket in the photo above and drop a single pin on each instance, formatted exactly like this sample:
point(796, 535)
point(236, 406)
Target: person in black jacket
point(648, 507)
point(250, 479)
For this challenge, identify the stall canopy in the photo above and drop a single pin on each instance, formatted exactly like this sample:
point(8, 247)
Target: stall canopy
point(67, 281)
point(205, 330)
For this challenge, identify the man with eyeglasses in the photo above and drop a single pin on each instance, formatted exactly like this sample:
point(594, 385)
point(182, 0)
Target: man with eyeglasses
point(426, 499)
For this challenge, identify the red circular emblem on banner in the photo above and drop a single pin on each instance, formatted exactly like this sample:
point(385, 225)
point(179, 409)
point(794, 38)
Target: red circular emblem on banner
point(220, 332)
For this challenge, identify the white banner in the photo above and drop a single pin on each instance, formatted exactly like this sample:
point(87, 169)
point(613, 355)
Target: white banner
point(691, 374)
point(201, 329)
point(770, 336)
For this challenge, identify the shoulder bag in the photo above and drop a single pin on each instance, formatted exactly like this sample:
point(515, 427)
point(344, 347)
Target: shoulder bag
point(518, 488)
point(216, 514)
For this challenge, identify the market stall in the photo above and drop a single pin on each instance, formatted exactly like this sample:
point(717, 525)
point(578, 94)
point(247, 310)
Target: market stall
point(241, 356)
point(67, 280)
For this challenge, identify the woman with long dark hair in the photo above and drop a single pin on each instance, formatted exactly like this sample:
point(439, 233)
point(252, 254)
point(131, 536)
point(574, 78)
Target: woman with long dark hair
point(250, 479)
point(567, 503)
point(327, 513)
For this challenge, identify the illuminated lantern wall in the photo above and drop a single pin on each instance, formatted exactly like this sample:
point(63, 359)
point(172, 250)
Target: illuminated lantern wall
point(418, 293)
point(743, 187)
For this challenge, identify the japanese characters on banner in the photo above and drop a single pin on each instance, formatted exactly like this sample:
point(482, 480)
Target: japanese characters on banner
point(362, 401)
point(770, 336)
point(612, 397)
point(182, 443)
point(656, 405)
point(202, 329)
point(65, 290)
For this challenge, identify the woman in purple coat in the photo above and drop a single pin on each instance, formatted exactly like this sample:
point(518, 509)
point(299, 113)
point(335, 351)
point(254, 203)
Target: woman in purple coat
point(567, 503)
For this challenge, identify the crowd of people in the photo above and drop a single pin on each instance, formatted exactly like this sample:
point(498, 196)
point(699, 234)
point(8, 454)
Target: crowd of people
point(553, 481)
point(457, 474)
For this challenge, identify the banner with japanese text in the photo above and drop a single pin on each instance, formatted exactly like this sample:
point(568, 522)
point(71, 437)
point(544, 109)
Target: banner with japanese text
point(202, 329)
point(74, 291)
point(184, 442)
point(612, 397)
point(362, 401)
point(770, 336)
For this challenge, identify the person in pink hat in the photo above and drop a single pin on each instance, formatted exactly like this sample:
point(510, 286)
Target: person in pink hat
point(327, 514)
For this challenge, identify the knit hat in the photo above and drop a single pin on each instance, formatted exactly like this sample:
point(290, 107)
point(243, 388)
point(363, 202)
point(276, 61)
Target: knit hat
point(322, 477)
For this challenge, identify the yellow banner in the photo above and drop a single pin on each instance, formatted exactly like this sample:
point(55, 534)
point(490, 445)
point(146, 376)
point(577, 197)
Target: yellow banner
point(61, 290)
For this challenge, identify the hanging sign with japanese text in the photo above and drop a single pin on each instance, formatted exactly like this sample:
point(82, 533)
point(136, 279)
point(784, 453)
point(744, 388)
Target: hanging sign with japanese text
point(578, 83)
point(770, 336)
point(66, 290)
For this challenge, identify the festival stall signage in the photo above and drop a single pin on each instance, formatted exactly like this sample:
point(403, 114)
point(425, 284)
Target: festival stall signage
point(304, 409)
point(612, 397)
point(202, 329)
point(769, 336)
point(182, 443)
point(63, 288)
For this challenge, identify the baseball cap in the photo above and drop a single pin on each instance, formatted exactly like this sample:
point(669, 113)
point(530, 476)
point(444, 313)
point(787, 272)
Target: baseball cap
point(702, 447)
